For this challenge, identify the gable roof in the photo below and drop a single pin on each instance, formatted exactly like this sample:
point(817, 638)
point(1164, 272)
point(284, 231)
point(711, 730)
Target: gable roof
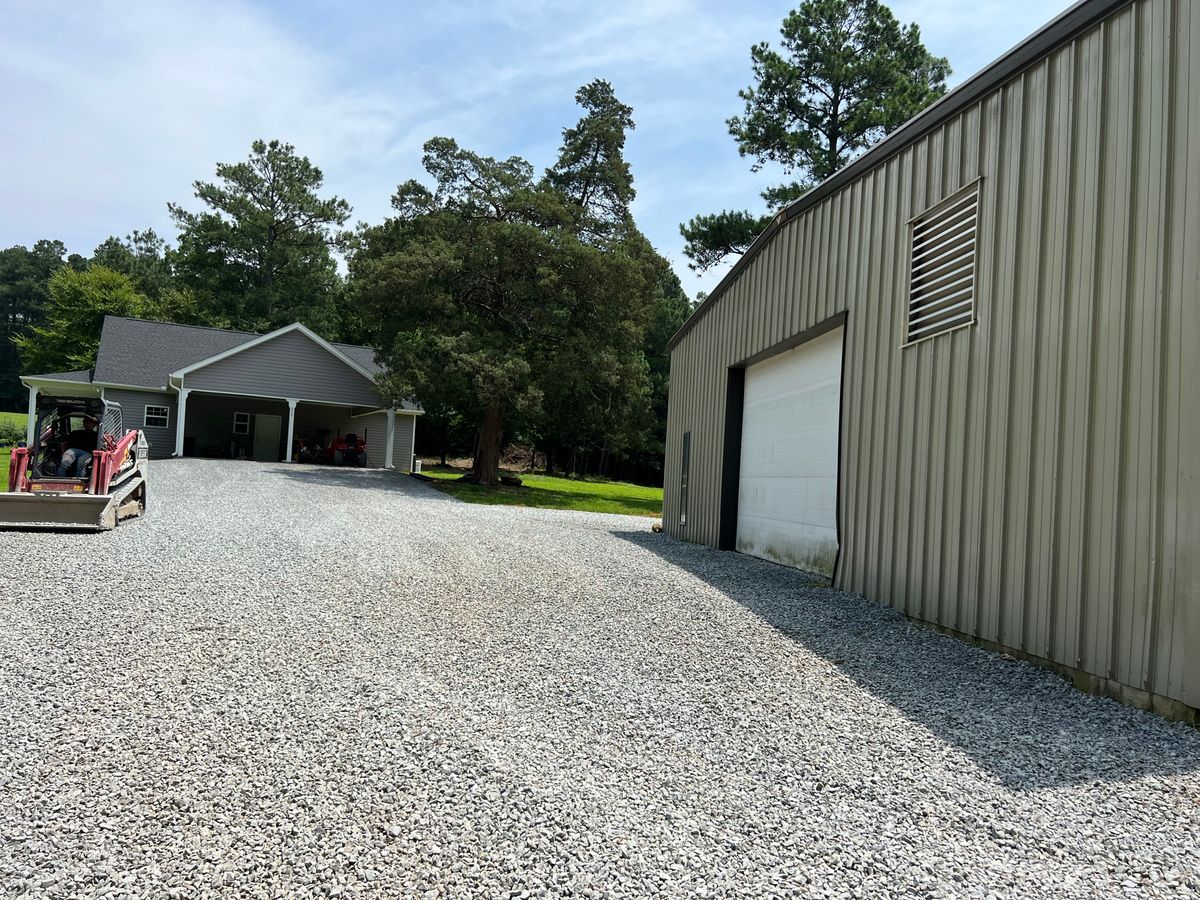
point(272, 335)
point(140, 353)
point(1059, 31)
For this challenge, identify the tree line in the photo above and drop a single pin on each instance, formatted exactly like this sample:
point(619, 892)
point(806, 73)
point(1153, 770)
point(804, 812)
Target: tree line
point(512, 304)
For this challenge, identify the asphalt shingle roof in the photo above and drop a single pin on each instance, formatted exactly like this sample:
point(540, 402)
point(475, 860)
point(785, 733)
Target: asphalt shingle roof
point(364, 356)
point(83, 376)
point(142, 354)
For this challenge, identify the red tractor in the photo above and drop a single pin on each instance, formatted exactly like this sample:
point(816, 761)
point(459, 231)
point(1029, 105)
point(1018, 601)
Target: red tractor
point(83, 470)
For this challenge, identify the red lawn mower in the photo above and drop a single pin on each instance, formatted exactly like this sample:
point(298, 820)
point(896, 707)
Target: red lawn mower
point(350, 450)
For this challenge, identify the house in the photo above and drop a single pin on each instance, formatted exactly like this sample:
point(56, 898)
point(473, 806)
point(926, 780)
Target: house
point(960, 376)
point(211, 392)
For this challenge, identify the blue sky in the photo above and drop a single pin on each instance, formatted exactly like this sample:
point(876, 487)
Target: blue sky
point(114, 110)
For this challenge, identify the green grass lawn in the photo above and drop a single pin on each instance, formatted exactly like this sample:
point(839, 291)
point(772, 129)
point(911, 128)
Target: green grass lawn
point(6, 452)
point(550, 492)
point(18, 419)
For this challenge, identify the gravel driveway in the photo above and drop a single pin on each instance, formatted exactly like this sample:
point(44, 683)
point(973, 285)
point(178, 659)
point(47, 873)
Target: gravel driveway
point(290, 681)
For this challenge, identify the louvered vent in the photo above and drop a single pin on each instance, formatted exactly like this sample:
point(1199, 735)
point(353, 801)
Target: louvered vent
point(941, 291)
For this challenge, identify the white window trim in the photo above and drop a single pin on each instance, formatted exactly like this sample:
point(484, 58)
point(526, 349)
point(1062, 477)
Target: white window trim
point(235, 423)
point(147, 415)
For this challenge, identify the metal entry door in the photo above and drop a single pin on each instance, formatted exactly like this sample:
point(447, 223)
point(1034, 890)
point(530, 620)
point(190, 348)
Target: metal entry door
point(266, 437)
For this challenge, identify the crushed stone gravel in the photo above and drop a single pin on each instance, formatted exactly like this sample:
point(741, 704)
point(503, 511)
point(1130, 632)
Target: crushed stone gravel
point(293, 681)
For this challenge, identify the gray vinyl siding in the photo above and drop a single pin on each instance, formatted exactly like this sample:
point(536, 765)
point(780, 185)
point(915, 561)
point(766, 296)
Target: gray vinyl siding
point(133, 408)
point(289, 366)
point(406, 433)
point(310, 417)
point(1032, 481)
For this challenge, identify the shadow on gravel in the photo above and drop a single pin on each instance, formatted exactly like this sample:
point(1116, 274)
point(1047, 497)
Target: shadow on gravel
point(360, 479)
point(1028, 727)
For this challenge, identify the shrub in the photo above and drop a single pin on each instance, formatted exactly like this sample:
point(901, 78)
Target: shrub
point(11, 433)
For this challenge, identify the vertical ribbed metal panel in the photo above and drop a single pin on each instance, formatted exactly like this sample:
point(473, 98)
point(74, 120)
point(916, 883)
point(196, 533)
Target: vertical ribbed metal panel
point(1033, 480)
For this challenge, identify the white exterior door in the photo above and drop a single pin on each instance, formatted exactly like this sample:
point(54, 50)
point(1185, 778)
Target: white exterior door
point(788, 483)
point(266, 438)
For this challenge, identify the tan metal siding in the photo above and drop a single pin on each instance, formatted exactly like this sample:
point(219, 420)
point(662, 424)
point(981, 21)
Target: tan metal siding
point(291, 366)
point(1033, 480)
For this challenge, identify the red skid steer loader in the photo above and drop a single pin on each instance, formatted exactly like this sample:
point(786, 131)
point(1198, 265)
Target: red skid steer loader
point(93, 494)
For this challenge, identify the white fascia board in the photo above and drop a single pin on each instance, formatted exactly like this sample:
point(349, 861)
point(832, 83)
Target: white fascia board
point(39, 383)
point(383, 409)
point(135, 387)
point(279, 397)
point(270, 336)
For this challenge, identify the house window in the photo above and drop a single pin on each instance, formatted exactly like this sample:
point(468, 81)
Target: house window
point(684, 474)
point(941, 291)
point(241, 423)
point(157, 417)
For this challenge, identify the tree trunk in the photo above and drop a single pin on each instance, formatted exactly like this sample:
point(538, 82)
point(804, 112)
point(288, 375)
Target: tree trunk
point(487, 455)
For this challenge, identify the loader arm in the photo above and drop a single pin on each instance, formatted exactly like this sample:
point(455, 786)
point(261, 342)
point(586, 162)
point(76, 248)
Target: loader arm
point(107, 464)
point(18, 469)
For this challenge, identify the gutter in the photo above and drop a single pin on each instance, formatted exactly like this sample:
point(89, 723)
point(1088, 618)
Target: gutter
point(1066, 27)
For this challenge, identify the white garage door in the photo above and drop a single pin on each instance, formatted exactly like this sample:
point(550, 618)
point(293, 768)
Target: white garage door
point(787, 492)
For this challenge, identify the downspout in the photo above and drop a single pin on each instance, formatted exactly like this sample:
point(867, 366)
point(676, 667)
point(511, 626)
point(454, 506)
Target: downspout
point(180, 413)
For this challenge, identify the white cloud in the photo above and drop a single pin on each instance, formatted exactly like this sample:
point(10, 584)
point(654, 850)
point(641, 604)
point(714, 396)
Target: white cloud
point(114, 109)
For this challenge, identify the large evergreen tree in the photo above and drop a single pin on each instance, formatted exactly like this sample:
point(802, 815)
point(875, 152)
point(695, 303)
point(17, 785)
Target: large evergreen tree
point(601, 405)
point(591, 172)
point(261, 252)
point(845, 75)
point(486, 294)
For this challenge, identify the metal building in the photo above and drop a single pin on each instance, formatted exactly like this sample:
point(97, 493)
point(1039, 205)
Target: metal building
point(962, 375)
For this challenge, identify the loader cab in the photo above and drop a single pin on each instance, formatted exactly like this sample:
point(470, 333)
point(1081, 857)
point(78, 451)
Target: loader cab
point(57, 418)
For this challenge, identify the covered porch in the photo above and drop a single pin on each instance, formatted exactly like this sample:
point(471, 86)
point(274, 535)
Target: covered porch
point(271, 429)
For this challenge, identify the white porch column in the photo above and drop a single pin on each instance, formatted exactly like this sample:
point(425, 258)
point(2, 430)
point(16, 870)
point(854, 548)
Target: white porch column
point(391, 438)
point(291, 429)
point(412, 445)
point(33, 392)
point(180, 415)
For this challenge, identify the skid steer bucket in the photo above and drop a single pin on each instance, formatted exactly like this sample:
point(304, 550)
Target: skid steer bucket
point(85, 511)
